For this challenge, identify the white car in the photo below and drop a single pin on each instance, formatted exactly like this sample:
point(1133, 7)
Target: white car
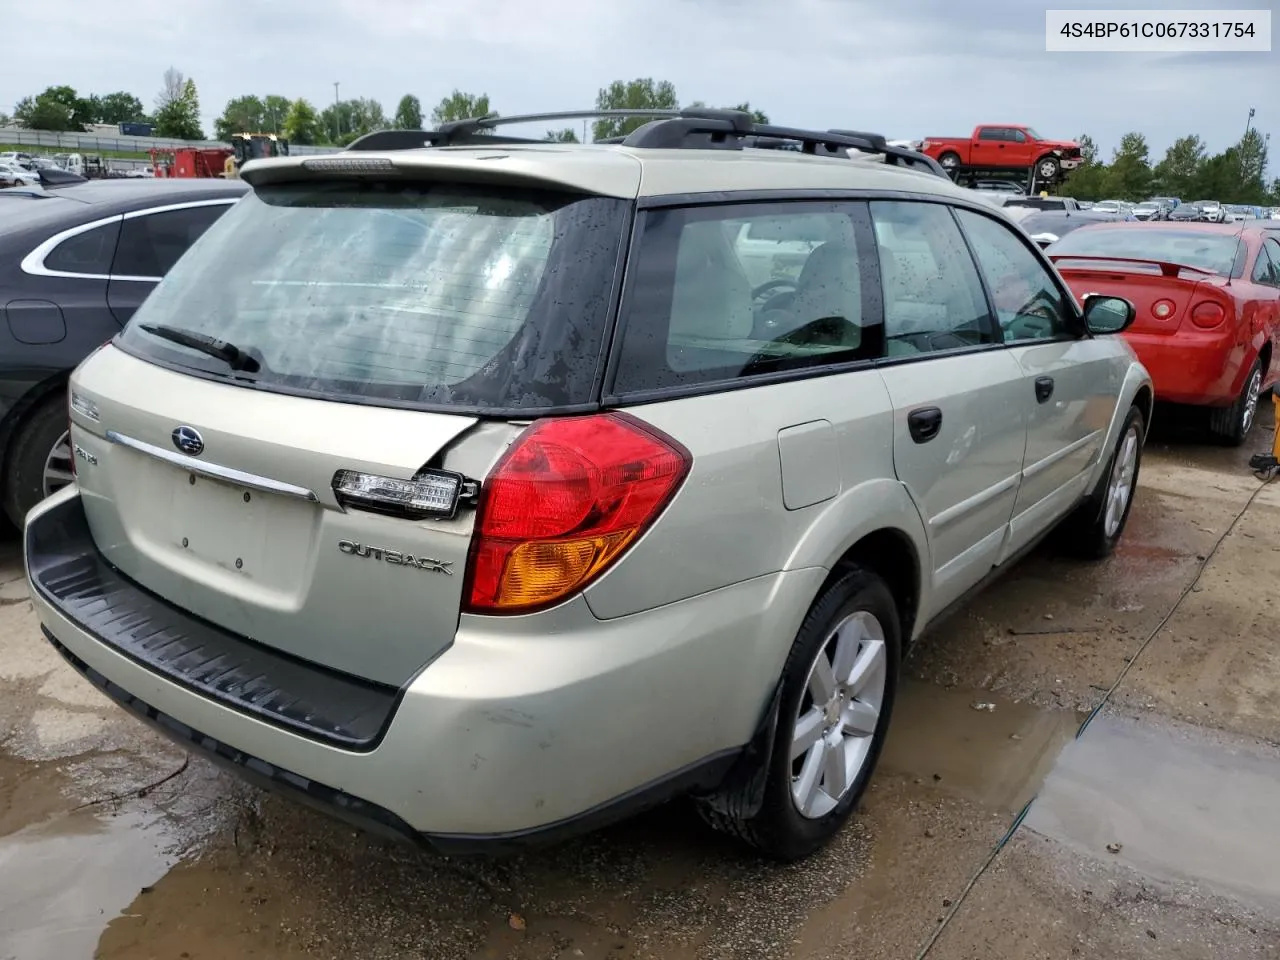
point(13, 175)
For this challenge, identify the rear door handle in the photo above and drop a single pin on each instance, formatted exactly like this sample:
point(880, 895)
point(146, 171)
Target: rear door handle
point(924, 423)
point(1044, 388)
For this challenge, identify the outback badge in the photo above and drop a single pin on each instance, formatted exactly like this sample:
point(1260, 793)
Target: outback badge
point(396, 557)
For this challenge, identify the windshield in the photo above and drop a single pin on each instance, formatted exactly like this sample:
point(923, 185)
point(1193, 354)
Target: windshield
point(1191, 248)
point(1032, 134)
point(425, 294)
point(1106, 205)
point(1147, 206)
point(1038, 203)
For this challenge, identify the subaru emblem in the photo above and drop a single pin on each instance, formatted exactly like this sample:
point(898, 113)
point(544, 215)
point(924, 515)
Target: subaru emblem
point(188, 440)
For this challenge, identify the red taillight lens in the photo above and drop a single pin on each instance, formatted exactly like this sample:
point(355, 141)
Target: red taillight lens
point(1207, 314)
point(563, 504)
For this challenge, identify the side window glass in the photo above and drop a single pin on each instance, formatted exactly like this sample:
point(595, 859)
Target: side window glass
point(1019, 136)
point(151, 244)
point(1267, 269)
point(1029, 305)
point(89, 252)
point(728, 292)
point(933, 298)
point(990, 133)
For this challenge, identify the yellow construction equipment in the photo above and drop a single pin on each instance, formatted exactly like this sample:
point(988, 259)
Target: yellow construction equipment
point(252, 146)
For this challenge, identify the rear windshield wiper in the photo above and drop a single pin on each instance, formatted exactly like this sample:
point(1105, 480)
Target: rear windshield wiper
point(229, 353)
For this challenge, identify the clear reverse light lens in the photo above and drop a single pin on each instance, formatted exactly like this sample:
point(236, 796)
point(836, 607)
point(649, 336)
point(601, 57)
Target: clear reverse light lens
point(431, 495)
point(85, 407)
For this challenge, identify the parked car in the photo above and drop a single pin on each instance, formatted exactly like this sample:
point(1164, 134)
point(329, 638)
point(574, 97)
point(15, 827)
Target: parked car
point(75, 262)
point(396, 494)
point(1186, 213)
point(1049, 226)
point(1152, 210)
point(1043, 203)
point(1003, 147)
point(1211, 211)
point(1000, 186)
point(1208, 301)
point(1170, 202)
point(12, 174)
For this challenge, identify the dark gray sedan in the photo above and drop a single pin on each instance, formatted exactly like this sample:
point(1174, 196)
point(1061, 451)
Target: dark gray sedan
point(76, 260)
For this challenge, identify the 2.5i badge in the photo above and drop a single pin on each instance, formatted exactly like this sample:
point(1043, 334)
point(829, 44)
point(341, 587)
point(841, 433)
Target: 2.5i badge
point(397, 557)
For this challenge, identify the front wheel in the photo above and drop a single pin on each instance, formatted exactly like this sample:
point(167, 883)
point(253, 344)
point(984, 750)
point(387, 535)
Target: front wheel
point(950, 162)
point(1232, 424)
point(837, 696)
point(1047, 168)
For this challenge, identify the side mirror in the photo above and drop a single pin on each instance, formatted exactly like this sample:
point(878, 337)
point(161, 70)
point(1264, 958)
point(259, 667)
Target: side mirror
point(1105, 314)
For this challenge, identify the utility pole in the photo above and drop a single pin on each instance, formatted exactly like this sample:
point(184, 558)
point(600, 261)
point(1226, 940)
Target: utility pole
point(1249, 122)
point(337, 114)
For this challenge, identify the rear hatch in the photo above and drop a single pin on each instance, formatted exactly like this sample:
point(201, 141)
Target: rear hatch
point(285, 426)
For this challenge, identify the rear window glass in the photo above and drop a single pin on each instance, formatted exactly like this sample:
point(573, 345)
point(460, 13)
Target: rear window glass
point(427, 294)
point(1191, 248)
point(1039, 203)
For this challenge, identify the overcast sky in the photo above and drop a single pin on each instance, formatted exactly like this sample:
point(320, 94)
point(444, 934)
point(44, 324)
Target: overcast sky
point(906, 68)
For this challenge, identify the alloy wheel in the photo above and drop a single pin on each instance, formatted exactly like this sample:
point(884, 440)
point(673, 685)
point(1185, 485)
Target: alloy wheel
point(835, 725)
point(57, 466)
point(1120, 484)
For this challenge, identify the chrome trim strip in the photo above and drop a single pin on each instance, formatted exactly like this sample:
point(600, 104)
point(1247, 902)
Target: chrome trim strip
point(212, 470)
point(33, 262)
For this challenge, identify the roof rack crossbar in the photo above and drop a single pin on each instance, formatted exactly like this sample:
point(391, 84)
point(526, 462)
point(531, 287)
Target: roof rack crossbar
point(691, 128)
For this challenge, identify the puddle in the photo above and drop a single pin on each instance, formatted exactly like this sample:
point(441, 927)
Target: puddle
point(1172, 801)
point(29, 793)
point(997, 757)
point(78, 871)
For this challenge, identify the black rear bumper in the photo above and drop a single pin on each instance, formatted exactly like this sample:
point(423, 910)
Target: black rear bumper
point(72, 576)
point(304, 698)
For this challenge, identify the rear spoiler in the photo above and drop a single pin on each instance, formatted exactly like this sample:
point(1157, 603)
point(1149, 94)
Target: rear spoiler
point(1167, 268)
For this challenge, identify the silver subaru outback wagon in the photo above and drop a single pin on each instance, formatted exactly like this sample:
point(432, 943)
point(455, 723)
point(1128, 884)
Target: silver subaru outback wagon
point(484, 491)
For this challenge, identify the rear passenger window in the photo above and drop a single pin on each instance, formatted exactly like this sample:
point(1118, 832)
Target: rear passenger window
point(1029, 305)
point(151, 244)
point(721, 293)
point(86, 253)
point(933, 298)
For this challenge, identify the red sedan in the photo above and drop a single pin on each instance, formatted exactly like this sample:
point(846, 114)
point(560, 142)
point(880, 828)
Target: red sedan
point(1208, 307)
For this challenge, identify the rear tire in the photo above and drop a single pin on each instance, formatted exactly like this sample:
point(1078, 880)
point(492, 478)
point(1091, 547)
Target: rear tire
point(1233, 424)
point(1092, 531)
point(950, 162)
point(39, 461)
point(849, 645)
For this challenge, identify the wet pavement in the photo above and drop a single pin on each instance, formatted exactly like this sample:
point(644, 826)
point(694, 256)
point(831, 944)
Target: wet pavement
point(1085, 762)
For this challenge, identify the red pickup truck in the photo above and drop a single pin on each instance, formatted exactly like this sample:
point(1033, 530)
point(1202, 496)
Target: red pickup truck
point(1004, 147)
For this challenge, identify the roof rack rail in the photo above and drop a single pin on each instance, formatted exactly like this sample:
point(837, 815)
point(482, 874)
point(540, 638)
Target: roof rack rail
point(693, 128)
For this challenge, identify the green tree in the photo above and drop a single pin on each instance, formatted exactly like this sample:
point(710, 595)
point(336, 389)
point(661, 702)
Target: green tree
point(1129, 174)
point(178, 108)
point(759, 116)
point(57, 108)
point(303, 123)
point(241, 115)
point(461, 106)
point(118, 107)
point(275, 109)
point(409, 113)
point(643, 93)
point(1253, 164)
point(1176, 174)
point(563, 135)
point(1089, 180)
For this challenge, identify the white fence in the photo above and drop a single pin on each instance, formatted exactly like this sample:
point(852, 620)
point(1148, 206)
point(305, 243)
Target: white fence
point(92, 143)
